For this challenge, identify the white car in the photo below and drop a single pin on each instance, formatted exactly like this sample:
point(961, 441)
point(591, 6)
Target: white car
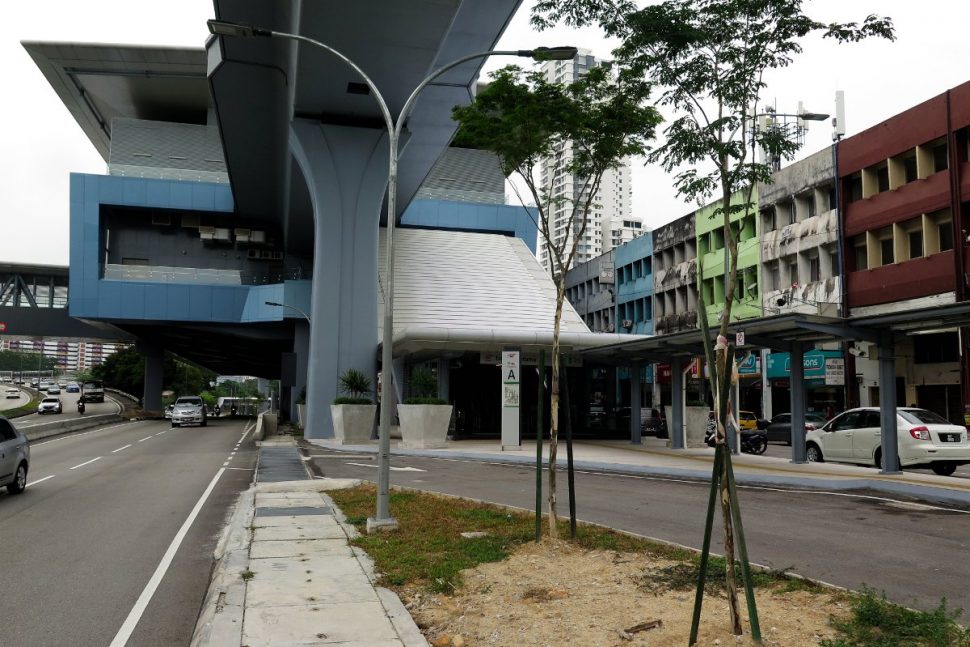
point(50, 405)
point(53, 389)
point(924, 439)
point(12, 394)
point(189, 410)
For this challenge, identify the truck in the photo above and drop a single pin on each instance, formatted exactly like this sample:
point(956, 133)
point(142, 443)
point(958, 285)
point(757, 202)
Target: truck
point(92, 391)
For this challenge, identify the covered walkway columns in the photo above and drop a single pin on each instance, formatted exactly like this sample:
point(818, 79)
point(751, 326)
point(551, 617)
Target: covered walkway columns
point(154, 377)
point(345, 169)
point(636, 377)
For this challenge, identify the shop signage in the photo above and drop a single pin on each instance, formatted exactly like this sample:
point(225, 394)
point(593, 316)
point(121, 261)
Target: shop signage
point(813, 364)
point(834, 371)
point(606, 273)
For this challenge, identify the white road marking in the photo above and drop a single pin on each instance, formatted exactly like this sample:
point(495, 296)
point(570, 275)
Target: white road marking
point(121, 638)
point(226, 463)
point(83, 433)
point(39, 480)
point(244, 469)
point(86, 463)
point(115, 451)
point(144, 439)
point(396, 469)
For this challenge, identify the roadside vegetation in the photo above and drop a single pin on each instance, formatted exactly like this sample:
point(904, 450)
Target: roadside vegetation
point(23, 410)
point(428, 558)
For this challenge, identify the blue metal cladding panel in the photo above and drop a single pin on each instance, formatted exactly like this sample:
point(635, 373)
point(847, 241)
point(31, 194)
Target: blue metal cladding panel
point(96, 298)
point(509, 219)
point(632, 286)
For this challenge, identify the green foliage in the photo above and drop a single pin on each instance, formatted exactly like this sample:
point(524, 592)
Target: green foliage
point(209, 398)
point(424, 401)
point(876, 622)
point(15, 360)
point(302, 398)
point(423, 385)
point(356, 385)
point(585, 128)
point(346, 400)
point(125, 370)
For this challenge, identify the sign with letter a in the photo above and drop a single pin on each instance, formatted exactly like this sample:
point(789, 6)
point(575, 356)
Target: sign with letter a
point(510, 400)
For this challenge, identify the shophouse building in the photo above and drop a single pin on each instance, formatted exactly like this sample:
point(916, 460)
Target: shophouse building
point(591, 289)
point(903, 190)
point(800, 272)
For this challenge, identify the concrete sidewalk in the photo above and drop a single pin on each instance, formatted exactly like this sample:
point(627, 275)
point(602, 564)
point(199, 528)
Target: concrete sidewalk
point(286, 575)
point(654, 458)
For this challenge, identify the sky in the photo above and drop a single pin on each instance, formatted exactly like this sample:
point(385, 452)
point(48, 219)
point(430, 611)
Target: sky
point(43, 144)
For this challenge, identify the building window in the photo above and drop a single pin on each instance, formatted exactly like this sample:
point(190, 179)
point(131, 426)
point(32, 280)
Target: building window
point(940, 347)
point(834, 262)
point(860, 253)
point(886, 247)
point(775, 274)
point(946, 236)
point(940, 157)
point(853, 187)
point(882, 179)
point(909, 167)
point(916, 244)
point(793, 273)
point(814, 269)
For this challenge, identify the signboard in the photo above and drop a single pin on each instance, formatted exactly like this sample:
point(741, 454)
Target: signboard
point(490, 357)
point(739, 338)
point(813, 363)
point(607, 272)
point(510, 400)
point(3, 327)
point(834, 371)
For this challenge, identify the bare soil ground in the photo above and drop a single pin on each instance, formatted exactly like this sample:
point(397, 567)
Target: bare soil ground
point(556, 594)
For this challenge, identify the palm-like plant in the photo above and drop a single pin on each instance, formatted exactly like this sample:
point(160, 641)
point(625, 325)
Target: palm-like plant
point(355, 384)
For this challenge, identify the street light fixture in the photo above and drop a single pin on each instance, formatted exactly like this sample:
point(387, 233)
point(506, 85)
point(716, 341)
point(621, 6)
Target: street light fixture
point(284, 305)
point(382, 516)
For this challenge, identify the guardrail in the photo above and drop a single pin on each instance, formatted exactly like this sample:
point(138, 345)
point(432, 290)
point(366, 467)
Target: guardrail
point(36, 432)
point(129, 396)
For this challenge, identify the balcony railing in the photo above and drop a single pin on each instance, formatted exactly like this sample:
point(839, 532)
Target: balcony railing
point(200, 276)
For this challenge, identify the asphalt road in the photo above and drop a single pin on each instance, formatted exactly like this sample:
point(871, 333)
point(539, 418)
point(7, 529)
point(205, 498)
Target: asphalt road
point(11, 403)
point(100, 511)
point(911, 551)
point(69, 411)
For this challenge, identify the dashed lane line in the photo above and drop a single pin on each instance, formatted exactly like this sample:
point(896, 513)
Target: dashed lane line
point(115, 451)
point(86, 463)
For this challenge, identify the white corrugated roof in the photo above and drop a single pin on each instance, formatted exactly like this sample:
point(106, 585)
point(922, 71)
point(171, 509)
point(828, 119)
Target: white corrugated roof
point(465, 289)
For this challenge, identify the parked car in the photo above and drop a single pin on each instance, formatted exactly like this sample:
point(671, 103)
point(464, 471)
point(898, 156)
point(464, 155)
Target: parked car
point(747, 421)
point(14, 457)
point(924, 439)
point(12, 394)
point(779, 427)
point(189, 410)
point(53, 389)
point(50, 405)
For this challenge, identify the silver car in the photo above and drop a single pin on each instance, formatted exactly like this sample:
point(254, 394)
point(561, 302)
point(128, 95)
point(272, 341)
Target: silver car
point(14, 457)
point(189, 410)
point(50, 405)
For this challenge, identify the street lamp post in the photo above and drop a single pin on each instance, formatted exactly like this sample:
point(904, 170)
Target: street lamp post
point(382, 517)
point(284, 305)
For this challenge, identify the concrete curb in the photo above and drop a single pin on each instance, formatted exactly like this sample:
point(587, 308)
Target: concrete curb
point(220, 622)
point(47, 430)
point(913, 490)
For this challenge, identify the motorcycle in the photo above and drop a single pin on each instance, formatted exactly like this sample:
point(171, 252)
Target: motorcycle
point(753, 441)
point(80, 407)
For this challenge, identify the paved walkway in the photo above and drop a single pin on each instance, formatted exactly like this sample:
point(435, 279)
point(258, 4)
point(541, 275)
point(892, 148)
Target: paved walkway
point(286, 575)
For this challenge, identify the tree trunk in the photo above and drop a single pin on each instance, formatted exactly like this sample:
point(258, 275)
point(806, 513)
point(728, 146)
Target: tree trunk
point(554, 411)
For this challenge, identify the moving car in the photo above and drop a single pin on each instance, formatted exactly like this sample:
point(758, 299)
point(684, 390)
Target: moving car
point(50, 405)
point(924, 438)
point(73, 387)
point(14, 457)
point(188, 410)
point(12, 393)
point(168, 411)
point(53, 389)
point(92, 391)
point(779, 427)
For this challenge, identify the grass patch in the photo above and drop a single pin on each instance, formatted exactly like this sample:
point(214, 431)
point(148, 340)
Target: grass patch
point(683, 577)
point(428, 551)
point(876, 622)
point(25, 410)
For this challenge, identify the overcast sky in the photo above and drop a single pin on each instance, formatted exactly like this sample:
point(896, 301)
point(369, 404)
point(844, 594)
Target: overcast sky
point(43, 144)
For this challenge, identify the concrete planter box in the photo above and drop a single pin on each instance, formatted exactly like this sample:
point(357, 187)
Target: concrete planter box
point(695, 425)
point(424, 426)
point(353, 423)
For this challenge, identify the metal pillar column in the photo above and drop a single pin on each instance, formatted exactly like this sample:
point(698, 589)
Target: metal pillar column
point(797, 387)
point(678, 435)
point(301, 349)
point(636, 376)
point(887, 404)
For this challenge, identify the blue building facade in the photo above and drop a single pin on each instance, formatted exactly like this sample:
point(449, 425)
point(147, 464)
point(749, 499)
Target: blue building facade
point(634, 286)
point(512, 220)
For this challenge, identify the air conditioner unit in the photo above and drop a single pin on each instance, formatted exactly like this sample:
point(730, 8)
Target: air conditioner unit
point(627, 323)
point(206, 233)
point(242, 235)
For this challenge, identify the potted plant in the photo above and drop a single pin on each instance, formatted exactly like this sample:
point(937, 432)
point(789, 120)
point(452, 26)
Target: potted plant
point(353, 415)
point(424, 416)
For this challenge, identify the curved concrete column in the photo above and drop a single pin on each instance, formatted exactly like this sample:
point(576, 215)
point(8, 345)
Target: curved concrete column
point(346, 172)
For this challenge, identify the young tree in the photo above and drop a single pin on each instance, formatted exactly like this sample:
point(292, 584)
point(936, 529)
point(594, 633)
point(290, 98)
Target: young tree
point(584, 128)
point(709, 58)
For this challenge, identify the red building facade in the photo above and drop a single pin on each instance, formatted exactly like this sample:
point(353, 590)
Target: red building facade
point(904, 186)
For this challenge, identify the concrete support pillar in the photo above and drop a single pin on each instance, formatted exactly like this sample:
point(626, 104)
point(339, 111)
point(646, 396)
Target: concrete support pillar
point(444, 382)
point(301, 351)
point(797, 365)
point(154, 375)
point(676, 423)
point(345, 169)
point(887, 404)
point(636, 377)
